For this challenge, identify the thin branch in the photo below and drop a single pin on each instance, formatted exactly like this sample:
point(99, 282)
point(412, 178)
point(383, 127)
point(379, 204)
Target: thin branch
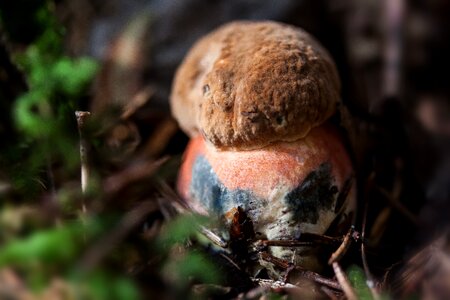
point(139, 170)
point(305, 239)
point(340, 252)
point(175, 200)
point(328, 292)
point(370, 279)
point(82, 116)
point(343, 281)
point(213, 237)
point(274, 284)
point(395, 203)
point(182, 207)
point(302, 272)
point(230, 261)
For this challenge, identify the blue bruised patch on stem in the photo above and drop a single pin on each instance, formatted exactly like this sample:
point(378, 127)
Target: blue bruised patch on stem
point(213, 194)
point(314, 194)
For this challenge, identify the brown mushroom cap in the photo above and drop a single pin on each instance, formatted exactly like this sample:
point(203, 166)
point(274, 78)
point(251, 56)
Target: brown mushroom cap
point(248, 84)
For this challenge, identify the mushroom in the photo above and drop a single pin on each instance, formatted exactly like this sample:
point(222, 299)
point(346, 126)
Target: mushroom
point(255, 98)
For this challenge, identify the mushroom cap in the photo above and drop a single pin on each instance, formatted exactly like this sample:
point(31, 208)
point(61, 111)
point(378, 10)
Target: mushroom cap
point(248, 84)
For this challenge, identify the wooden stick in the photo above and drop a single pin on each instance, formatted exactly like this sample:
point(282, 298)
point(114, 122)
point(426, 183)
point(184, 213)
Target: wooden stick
point(306, 239)
point(370, 281)
point(340, 252)
point(343, 281)
point(82, 116)
point(304, 273)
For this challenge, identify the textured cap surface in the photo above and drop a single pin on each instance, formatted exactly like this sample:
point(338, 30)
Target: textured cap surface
point(248, 84)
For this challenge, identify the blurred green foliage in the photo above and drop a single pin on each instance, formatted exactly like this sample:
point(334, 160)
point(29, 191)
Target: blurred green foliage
point(186, 266)
point(44, 114)
point(102, 285)
point(44, 154)
point(45, 246)
point(358, 280)
point(181, 229)
point(46, 136)
point(55, 251)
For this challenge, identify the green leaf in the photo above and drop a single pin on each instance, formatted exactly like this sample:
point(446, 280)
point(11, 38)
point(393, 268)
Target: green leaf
point(358, 280)
point(198, 266)
point(72, 76)
point(190, 266)
point(47, 246)
point(180, 229)
point(55, 245)
point(103, 286)
point(33, 114)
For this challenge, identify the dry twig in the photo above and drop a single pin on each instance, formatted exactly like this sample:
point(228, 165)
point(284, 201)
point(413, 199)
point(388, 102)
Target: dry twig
point(305, 239)
point(340, 252)
point(343, 281)
point(82, 117)
point(302, 272)
point(274, 284)
point(395, 203)
point(135, 172)
point(182, 208)
point(370, 280)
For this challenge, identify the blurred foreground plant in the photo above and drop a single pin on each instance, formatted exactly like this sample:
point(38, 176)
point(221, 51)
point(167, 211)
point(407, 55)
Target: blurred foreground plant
point(43, 114)
point(54, 247)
